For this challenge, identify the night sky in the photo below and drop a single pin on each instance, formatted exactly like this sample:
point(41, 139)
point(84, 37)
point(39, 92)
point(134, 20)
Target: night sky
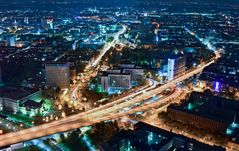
point(110, 2)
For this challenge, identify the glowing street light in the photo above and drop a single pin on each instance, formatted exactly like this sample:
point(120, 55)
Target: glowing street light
point(63, 114)
point(60, 107)
point(51, 117)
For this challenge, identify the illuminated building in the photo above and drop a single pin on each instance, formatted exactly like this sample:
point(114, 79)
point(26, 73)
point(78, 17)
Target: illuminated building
point(208, 112)
point(223, 76)
point(118, 79)
point(163, 35)
point(137, 73)
point(11, 41)
point(11, 98)
point(17, 146)
point(115, 82)
point(145, 137)
point(32, 108)
point(176, 66)
point(217, 86)
point(104, 83)
point(58, 75)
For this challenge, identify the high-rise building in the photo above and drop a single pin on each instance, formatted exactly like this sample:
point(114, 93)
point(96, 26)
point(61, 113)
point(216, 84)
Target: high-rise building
point(11, 41)
point(58, 74)
point(176, 66)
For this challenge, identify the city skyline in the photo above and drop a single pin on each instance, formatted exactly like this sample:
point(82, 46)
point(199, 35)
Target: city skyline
point(133, 75)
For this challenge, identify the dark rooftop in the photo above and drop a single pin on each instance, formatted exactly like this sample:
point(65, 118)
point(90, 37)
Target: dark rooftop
point(175, 56)
point(147, 137)
point(210, 106)
point(32, 104)
point(61, 64)
point(16, 93)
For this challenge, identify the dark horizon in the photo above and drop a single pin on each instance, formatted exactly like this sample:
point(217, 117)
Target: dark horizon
point(59, 4)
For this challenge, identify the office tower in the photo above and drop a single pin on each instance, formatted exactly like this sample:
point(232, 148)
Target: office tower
point(176, 65)
point(58, 74)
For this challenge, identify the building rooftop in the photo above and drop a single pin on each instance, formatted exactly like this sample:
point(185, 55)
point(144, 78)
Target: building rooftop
point(210, 106)
point(112, 73)
point(147, 137)
point(16, 93)
point(30, 104)
point(61, 64)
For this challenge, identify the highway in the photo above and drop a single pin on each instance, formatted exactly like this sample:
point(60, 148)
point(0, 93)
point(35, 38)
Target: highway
point(95, 62)
point(91, 119)
point(105, 112)
point(18, 51)
point(108, 45)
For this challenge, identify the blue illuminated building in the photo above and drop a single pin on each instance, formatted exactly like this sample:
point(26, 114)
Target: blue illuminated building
point(217, 86)
point(176, 65)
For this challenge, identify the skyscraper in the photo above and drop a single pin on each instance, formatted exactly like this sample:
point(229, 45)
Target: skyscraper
point(58, 74)
point(176, 65)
